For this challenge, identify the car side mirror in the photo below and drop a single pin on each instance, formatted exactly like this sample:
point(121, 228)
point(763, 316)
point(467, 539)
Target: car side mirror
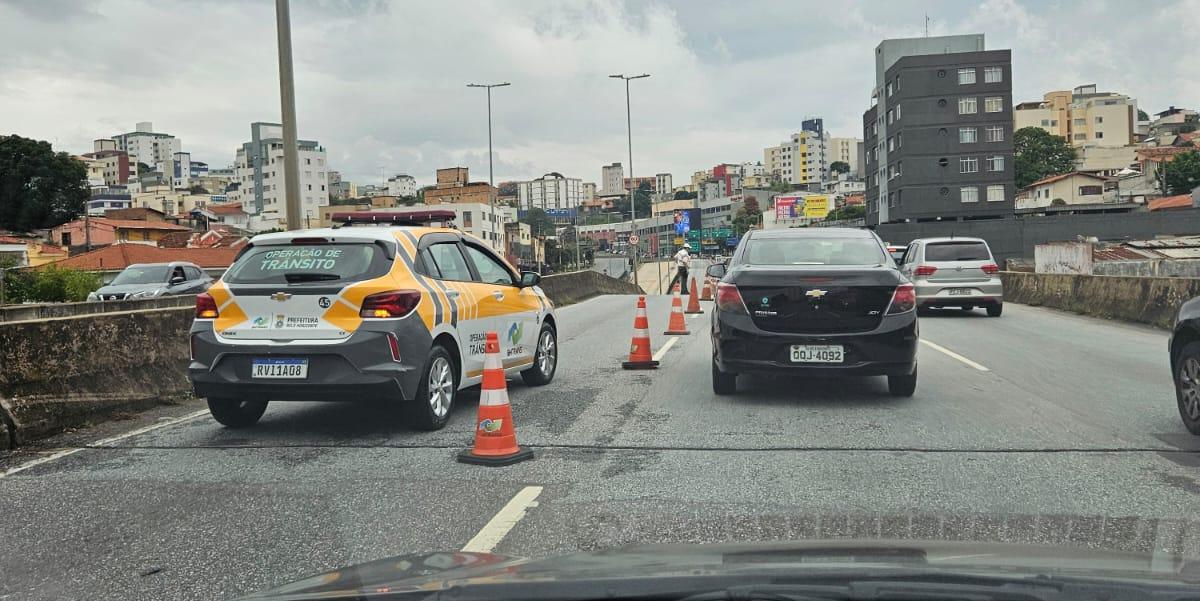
point(530, 278)
point(716, 271)
point(176, 280)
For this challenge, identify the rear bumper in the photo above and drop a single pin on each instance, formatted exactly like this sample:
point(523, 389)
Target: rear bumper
point(888, 350)
point(359, 368)
point(938, 294)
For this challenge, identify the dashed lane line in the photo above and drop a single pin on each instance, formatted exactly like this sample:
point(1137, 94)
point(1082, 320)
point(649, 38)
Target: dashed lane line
point(658, 355)
point(953, 355)
point(503, 522)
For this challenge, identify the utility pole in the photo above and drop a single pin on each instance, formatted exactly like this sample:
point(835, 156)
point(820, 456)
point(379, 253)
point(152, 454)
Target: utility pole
point(491, 176)
point(633, 189)
point(287, 100)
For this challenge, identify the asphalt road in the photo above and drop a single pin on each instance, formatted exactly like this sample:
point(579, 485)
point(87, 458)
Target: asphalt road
point(1041, 427)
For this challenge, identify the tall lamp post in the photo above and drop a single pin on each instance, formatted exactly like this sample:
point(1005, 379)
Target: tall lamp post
point(633, 191)
point(287, 101)
point(491, 178)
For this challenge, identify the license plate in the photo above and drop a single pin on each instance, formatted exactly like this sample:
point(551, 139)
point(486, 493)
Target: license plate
point(960, 291)
point(283, 369)
point(808, 353)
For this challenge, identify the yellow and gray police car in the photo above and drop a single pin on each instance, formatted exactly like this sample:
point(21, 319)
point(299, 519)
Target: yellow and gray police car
point(387, 307)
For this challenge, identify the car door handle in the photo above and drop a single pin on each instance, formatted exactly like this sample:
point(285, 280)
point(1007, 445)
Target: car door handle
point(452, 293)
point(498, 295)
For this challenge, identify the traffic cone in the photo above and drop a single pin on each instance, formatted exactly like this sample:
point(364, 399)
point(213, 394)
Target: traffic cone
point(693, 300)
point(677, 326)
point(706, 294)
point(639, 351)
point(495, 436)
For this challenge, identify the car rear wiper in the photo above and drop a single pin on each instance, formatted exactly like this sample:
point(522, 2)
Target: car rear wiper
point(297, 277)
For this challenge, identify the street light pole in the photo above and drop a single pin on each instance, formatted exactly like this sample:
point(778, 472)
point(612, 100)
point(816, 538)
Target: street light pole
point(491, 177)
point(287, 100)
point(633, 190)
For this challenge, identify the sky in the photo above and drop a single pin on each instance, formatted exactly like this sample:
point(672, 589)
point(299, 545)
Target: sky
point(382, 84)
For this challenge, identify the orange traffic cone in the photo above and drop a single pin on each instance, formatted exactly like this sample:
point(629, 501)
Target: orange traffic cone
point(495, 436)
point(706, 294)
point(693, 300)
point(677, 326)
point(639, 351)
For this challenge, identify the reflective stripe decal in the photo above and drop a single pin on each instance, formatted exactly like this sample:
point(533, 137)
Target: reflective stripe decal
point(437, 304)
point(425, 281)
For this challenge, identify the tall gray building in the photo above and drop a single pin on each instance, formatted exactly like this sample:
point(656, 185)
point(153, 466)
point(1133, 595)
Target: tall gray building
point(938, 138)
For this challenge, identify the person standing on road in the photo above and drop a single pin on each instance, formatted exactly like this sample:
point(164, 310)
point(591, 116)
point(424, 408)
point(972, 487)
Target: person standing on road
point(682, 261)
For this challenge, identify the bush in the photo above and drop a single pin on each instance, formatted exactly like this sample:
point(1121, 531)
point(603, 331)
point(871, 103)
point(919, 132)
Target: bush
point(49, 285)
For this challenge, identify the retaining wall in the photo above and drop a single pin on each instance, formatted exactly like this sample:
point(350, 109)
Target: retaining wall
point(1148, 300)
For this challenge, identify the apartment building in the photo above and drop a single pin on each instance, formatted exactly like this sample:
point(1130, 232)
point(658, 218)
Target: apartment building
point(663, 184)
point(846, 150)
point(454, 186)
point(804, 158)
point(144, 145)
point(550, 191)
point(612, 180)
point(402, 185)
point(258, 174)
point(1083, 116)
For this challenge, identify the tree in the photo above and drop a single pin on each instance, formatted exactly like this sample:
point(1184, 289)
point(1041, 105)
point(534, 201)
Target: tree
point(539, 223)
point(507, 188)
point(1182, 174)
point(642, 198)
point(780, 186)
point(198, 189)
point(748, 216)
point(1142, 116)
point(839, 167)
point(407, 201)
point(143, 168)
point(1039, 154)
point(684, 195)
point(39, 188)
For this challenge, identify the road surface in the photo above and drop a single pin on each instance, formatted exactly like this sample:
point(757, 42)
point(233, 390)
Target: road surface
point(1038, 426)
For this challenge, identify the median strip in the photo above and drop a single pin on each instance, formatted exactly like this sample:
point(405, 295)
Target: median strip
point(953, 355)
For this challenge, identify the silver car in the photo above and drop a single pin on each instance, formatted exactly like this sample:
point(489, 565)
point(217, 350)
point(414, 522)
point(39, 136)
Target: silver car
point(954, 272)
point(150, 280)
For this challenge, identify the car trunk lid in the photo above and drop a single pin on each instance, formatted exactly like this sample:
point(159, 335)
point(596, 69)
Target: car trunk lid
point(816, 300)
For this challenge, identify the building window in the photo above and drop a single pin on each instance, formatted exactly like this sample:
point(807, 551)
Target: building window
point(1054, 123)
point(993, 104)
point(993, 75)
point(1080, 136)
point(897, 112)
point(1090, 190)
point(891, 117)
point(891, 144)
point(995, 193)
point(1099, 119)
point(966, 76)
point(310, 187)
point(889, 89)
point(306, 161)
point(967, 106)
point(995, 133)
point(970, 194)
point(968, 165)
point(995, 163)
point(1099, 135)
point(1080, 122)
point(897, 140)
point(967, 135)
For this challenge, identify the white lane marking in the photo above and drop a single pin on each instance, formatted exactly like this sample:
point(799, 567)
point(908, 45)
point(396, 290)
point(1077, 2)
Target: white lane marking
point(694, 315)
point(503, 522)
point(103, 441)
point(953, 355)
point(658, 355)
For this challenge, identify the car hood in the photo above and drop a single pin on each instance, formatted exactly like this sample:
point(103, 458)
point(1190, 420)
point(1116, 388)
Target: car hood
point(439, 571)
point(129, 288)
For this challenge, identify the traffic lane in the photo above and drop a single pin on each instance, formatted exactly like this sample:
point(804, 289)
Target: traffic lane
point(1108, 375)
point(955, 407)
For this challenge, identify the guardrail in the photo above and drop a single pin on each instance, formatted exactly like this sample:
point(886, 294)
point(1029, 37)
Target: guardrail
point(33, 312)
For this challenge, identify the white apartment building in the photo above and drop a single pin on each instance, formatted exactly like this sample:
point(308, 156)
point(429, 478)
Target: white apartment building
point(663, 184)
point(1083, 116)
point(258, 173)
point(801, 160)
point(402, 185)
point(589, 190)
point(846, 150)
point(550, 191)
point(473, 218)
point(612, 180)
point(143, 145)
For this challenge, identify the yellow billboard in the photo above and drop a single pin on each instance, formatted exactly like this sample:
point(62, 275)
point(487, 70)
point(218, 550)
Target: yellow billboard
point(816, 207)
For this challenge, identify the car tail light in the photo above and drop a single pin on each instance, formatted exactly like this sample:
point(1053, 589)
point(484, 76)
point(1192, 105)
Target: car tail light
point(308, 241)
point(394, 346)
point(990, 269)
point(923, 270)
point(384, 305)
point(206, 306)
point(729, 298)
point(904, 299)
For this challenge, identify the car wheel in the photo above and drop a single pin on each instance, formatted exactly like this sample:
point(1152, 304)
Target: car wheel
point(995, 310)
point(1187, 386)
point(723, 382)
point(903, 385)
point(430, 410)
point(236, 413)
point(545, 358)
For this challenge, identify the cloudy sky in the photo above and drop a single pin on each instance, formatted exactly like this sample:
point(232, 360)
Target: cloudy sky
point(381, 84)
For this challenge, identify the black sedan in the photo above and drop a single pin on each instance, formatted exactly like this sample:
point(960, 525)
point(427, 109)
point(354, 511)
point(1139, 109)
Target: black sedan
point(820, 302)
point(1185, 363)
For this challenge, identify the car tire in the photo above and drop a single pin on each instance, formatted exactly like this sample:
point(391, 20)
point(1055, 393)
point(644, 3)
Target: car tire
point(723, 382)
point(903, 386)
point(236, 413)
point(545, 358)
point(439, 376)
point(995, 310)
point(1187, 386)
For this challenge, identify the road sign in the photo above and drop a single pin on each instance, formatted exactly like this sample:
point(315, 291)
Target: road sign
point(633, 238)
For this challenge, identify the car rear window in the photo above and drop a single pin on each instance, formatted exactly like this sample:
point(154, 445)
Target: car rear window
point(814, 251)
point(957, 251)
point(308, 263)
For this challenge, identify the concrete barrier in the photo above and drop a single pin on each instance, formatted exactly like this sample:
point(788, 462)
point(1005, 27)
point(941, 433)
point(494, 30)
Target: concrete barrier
point(1148, 300)
point(49, 310)
point(577, 286)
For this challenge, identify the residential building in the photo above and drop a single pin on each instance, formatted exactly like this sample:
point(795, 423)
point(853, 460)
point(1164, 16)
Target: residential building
point(803, 159)
point(1175, 121)
point(550, 191)
point(589, 190)
point(846, 150)
point(631, 183)
point(108, 198)
point(213, 184)
point(114, 165)
point(612, 180)
point(258, 174)
point(144, 145)
point(99, 231)
point(698, 178)
point(111, 260)
point(30, 252)
point(369, 190)
point(1074, 188)
point(1105, 160)
point(476, 219)
point(402, 185)
point(95, 170)
point(730, 177)
point(177, 202)
point(663, 184)
point(938, 138)
point(453, 186)
point(1083, 116)
point(521, 248)
point(844, 184)
point(179, 170)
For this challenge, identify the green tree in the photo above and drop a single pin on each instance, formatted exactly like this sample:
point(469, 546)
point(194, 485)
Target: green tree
point(684, 195)
point(748, 216)
point(839, 167)
point(198, 189)
point(780, 186)
point(642, 198)
point(407, 201)
point(1039, 154)
point(1142, 116)
point(539, 223)
point(143, 169)
point(39, 188)
point(1182, 174)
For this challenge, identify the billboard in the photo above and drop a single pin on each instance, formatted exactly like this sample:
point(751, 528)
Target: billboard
point(785, 206)
point(816, 207)
point(686, 220)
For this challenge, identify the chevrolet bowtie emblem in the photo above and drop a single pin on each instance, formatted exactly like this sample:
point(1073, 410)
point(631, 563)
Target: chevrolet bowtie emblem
point(280, 296)
point(815, 293)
